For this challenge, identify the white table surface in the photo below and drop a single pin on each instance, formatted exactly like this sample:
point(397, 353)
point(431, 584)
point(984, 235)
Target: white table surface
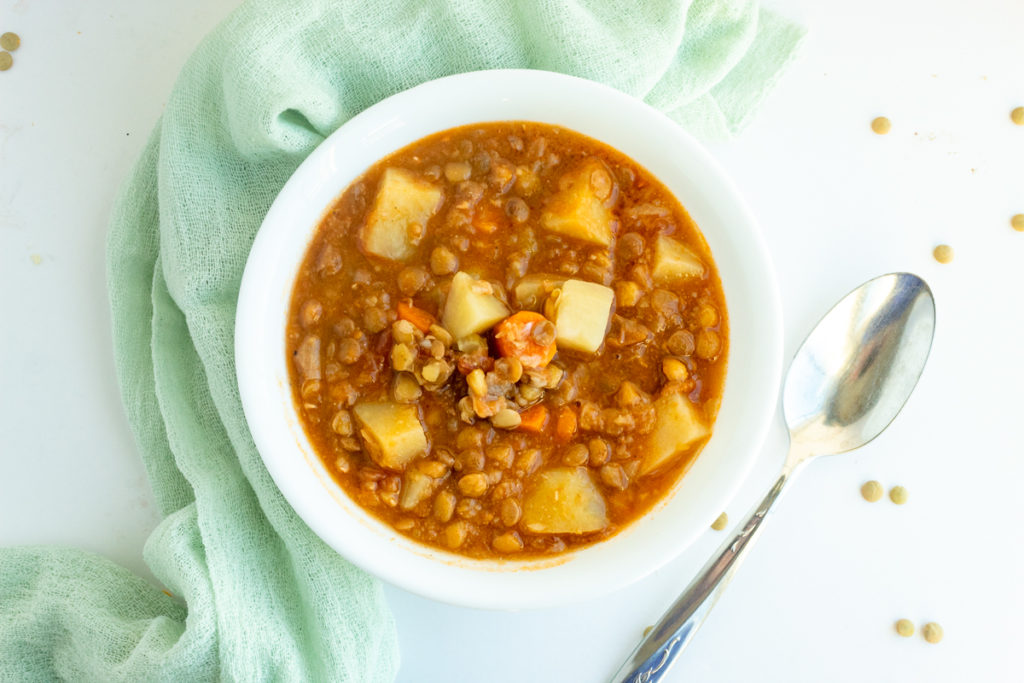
point(838, 204)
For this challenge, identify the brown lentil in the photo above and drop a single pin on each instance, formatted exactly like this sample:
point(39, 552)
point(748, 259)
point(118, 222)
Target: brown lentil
point(721, 522)
point(871, 491)
point(943, 253)
point(898, 495)
point(508, 542)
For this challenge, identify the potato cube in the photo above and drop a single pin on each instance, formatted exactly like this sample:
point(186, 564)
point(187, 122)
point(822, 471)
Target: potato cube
point(471, 307)
point(582, 311)
point(564, 500)
point(531, 290)
point(391, 432)
point(416, 487)
point(678, 427)
point(582, 208)
point(674, 261)
point(398, 219)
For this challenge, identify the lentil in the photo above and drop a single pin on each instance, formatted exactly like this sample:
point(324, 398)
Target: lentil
point(871, 491)
point(943, 253)
point(898, 495)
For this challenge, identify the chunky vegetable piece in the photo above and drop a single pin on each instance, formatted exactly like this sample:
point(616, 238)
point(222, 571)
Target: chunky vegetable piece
point(398, 220)
point(564, 500)
point(679, 427)
point(471, 306)
point(528, 337)
point(581, 209)
point(674, 261)
point(391, 432)
point(581, 315)
point(507, 341)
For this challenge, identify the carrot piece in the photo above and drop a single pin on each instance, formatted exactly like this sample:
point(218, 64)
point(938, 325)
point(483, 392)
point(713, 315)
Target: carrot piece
point(515, 337)
point(565, 424)
point(534, 419)
point(417, 316)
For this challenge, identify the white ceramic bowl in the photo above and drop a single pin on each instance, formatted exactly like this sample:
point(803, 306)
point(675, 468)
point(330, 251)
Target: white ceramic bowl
point(751, 389)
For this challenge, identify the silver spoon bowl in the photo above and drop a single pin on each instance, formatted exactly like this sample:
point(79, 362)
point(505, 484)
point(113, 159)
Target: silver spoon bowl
point(846, 384)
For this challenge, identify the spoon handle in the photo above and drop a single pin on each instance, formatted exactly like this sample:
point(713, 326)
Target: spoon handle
point(656, 653)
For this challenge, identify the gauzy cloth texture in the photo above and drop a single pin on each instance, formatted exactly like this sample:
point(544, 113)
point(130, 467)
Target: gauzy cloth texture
point(252, 594)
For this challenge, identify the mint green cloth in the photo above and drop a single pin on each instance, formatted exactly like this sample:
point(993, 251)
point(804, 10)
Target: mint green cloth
point(256, 596)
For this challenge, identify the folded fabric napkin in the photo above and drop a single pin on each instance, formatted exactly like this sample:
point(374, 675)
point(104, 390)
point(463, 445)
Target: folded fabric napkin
point(254, 595)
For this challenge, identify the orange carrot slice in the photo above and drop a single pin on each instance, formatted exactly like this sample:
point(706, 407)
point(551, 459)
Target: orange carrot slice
point(565, 424)
point(527, 336)
point(417, 316)
point(534, 419)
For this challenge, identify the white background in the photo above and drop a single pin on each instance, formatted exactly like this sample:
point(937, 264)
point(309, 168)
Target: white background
point(838, 204)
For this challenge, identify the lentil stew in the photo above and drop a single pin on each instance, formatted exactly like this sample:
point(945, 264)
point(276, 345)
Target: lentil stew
point(507, 340)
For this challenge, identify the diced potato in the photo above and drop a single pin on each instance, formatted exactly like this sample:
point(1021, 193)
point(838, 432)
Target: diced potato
point(581, 209)
point(398, 219)
point(564, 500)
point(391, 432)
point(581, 315)
point(674, 261)
point(471, 307)
point(531, 290)
point(678, 426)
point(416, 487)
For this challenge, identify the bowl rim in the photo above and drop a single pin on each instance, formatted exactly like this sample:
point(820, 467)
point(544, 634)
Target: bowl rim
point(584, 106)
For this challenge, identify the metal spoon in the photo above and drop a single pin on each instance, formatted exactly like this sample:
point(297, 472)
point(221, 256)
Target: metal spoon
point(847, 382)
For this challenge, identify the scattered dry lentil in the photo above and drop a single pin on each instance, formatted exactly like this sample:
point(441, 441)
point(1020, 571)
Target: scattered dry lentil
point(10, 41)
point(881, 125)
point(1017, 222)
point(898, 495)
point(1017, 116)
point(872, 491)
point(932, 632)
point(721, 522)
point(5, 61)
point(905, 628)
point(943, 253)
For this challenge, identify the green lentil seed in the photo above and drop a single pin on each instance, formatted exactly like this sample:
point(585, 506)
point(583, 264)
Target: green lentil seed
point(10, 41)
point(881, 125)
point(932, 632)
point(721, 522)
point(898, 495)
point(5, 61)
point(943, 253)
point(872, 491)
